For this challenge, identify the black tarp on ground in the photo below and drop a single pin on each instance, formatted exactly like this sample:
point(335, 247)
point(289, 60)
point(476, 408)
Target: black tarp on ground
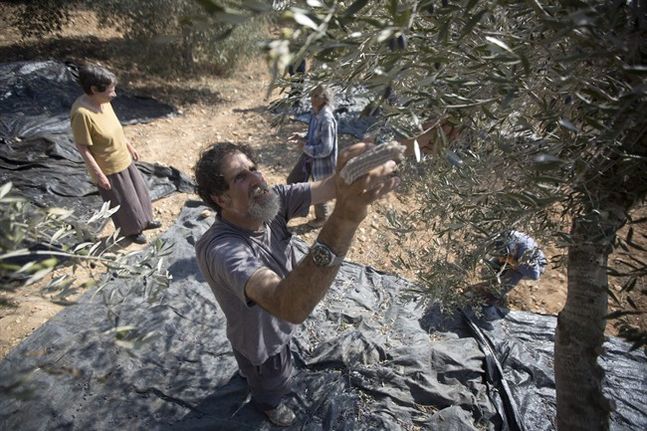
point(371, 357)
point(37, 152)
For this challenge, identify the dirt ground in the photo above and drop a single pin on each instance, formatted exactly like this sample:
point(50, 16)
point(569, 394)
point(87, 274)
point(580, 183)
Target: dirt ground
point(213, 109)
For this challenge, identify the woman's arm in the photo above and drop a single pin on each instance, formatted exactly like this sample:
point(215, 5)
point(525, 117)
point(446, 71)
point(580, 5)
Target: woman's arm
point(93, 166)
point(133, 151)
point(81, 126)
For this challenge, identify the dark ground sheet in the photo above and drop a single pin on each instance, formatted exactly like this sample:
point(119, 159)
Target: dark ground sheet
point(371, 357)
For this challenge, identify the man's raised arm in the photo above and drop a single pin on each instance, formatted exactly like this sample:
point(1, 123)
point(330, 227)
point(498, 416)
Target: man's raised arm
point(294, 297)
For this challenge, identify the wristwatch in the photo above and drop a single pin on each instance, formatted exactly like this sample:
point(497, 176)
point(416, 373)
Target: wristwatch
point(322, 255)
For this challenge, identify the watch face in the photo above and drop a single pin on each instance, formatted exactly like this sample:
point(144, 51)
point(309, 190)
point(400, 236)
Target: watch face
point(321, 255)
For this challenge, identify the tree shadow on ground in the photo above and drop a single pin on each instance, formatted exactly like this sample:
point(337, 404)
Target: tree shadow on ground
point(181, 93)
point(184, 269)
point(228, 408)
point(90, 48)
point(133, 60)
point(261, 109)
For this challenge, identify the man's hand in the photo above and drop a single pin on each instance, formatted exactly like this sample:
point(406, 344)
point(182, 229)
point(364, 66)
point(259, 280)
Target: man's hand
point(512, 262)
point(353, 199)
point(368, 160)
point(297, 138)
point(430, 140)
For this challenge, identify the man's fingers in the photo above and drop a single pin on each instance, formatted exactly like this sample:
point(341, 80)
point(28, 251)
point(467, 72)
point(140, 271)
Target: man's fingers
point(383, 171)
point(378, 182)
point(382, 188)
point(377, 175)
point(370, 159)
point(352, 151)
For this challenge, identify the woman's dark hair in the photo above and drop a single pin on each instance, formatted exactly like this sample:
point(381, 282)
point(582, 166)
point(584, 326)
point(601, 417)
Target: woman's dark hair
point(92, 75)
point(208, 170)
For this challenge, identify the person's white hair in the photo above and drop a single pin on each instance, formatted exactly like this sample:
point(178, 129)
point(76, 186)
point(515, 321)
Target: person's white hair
point(326, 93)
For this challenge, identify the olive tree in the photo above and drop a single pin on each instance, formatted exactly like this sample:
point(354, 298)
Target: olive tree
point(48, 245)
point(549, 101)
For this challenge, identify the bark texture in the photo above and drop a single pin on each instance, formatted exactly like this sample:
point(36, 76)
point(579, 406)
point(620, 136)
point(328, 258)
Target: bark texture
point(580, 334)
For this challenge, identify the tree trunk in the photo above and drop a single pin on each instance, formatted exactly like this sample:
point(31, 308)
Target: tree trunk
point(580, 326)
point(187, 49)
point(615, 186)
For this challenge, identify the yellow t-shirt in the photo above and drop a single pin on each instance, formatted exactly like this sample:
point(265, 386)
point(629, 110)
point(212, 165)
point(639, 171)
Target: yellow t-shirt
point(103, 134)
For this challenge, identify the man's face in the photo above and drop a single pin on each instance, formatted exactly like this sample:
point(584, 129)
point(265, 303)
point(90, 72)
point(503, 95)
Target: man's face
point(248, 196)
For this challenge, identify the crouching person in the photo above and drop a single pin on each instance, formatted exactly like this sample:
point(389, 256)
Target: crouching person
point(248, 260)
point(517, 257)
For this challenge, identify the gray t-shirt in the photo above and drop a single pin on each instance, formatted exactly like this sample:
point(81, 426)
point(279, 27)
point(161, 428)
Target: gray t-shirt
point(228, 256)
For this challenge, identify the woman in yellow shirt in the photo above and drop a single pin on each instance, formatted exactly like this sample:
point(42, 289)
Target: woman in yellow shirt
point(100, 139)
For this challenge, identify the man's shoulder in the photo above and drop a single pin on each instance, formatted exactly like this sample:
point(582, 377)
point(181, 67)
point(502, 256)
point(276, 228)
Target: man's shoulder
point(327, 112)
point(286, 190)
point(523, 240)
point(296, 192)
point(218, 233)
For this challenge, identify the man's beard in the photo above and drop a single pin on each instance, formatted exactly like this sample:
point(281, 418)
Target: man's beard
point(264, 206)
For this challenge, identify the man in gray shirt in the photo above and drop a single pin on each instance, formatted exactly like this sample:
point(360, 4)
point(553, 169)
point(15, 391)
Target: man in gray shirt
point(247, 258)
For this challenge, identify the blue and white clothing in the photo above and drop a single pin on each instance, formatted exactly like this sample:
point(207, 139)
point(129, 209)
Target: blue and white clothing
point(321, 143)
point(523, 249)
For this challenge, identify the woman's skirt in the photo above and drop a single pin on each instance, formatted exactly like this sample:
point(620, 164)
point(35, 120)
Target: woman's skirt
point(130, 192)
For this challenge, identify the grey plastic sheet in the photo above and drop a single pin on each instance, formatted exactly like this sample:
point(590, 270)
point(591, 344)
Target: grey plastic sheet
point(350, 111)
point(524, 346)
point(37, 153)
point(372, 356)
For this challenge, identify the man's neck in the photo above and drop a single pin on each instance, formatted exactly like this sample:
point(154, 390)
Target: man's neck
point(242, 222)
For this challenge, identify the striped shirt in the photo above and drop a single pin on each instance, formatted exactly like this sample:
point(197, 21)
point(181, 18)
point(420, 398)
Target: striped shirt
point(321, 143)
